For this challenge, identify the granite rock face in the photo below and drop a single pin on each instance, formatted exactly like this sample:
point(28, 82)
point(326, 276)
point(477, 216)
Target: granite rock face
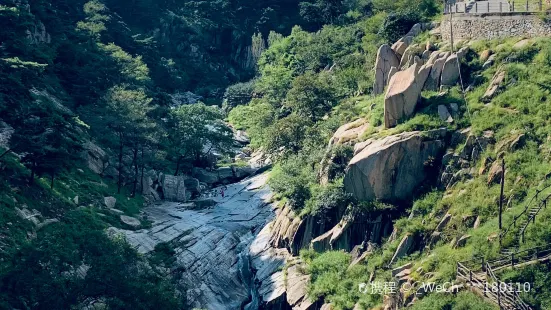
point(386, 59)
point(390, 169)
point(217, 248)
point(403, 92)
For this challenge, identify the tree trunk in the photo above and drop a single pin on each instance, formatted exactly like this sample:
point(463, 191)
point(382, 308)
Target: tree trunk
point(135, 160)
point(143, 168)
point(5, 153)
point(52, 180)
point(119, 183)
point(178, 166)
point(33, 168)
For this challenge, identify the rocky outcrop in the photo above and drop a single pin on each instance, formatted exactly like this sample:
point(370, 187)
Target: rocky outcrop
point(437, 59)
point(450, 71)
point(334, 161)
point(173, 188)
point(96, 158)
point(110, 202)
point(496, 85)
point(391, 168)
point(404, 248)
point(386, 59)
point(294, 233)
point(215, 262)
point(403, 92)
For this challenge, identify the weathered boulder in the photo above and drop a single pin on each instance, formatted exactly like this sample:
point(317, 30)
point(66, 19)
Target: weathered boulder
point(130, 221)
point(296, 286)
point(391, 168)
point(437, 61)
point(204, 203)
point(495, 173)
point(193, 185)
point(445, 220)
point(495, 86)
point(205, 176)
point(462, 241)
point(349, 133)
point(328, 240)
point(450, 71)
point(333, 162)
point(174, 188)
point(404, 248)
point(110, 202)
point(401, 45)
point(96, 158)
point(386, 59)
point(444, 114)
point(488, 63)
point(403, 92)
point(241, 137)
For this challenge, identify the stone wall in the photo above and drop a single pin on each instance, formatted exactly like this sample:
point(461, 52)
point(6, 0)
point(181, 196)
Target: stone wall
point(494, 25)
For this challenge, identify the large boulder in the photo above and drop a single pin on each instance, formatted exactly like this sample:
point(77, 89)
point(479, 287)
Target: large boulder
point(96, 158)
point(174, 188)
point(433, 80)
point(391, 168)
point(450, 71)
point(403, 92)
point(349, 133)
point(404, 248)
point(386, 59)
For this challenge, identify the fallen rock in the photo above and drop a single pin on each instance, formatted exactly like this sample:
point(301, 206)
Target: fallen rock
point(110, 202)
point(130, 221)
point(391, 168)
point(485, 54)
point(398, 270)
point(241, 137)
point(404, 248)
point(205, 176)
point(204, 203)
point(450, 71)
point(445, 220)
point(494, 87)
point(349, 133)
point(476, 222)
point(403, 93)
point(174, 188)
point(521, 44)
point(386, 59)
point(495, 174)
point(433, 80)
point(296, 285)
point(401, 45)
point(444, 114)
point(489, 62)
point(462, 241)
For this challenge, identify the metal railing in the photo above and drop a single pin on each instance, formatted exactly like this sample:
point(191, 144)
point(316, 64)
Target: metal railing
point(527, 207)
point(481, 7)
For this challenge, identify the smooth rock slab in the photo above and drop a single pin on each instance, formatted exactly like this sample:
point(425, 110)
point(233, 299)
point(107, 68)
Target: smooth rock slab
point(210, 244)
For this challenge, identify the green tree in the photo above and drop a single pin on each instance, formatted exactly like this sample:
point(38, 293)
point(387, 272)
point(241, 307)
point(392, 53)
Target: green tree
point(127, 116)
point(195, 130)
point(311, 96)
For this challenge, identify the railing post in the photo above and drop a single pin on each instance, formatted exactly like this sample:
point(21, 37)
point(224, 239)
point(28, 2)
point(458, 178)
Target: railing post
point(526, 5)
point(513, 260)
point(499, 295)
point(456, 8)
point(541, 5)
point(476, 7)
point(501, 7)
point(464, 7)
point(488, 6)
point(471, 277)
point(513, 7)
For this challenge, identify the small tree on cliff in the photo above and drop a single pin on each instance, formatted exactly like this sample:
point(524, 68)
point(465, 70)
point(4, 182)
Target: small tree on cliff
point(128, 117)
